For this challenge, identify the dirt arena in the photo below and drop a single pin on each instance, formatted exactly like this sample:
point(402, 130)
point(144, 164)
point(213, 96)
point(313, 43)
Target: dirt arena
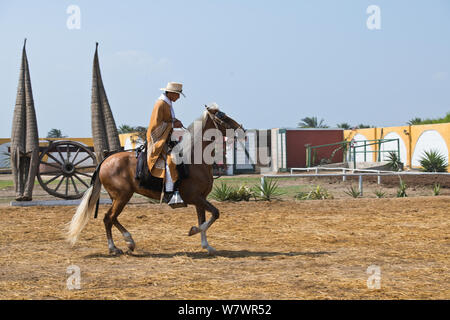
point(266, 250)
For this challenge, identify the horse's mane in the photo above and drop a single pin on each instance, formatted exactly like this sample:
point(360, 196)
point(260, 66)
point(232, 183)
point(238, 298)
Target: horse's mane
point(213, 107)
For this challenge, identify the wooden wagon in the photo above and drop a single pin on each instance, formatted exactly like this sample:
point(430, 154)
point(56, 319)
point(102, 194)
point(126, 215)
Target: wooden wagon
point(65, 168)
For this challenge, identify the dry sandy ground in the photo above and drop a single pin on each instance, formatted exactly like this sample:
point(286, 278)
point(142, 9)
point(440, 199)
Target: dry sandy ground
point(278, 250)
point(417, 186)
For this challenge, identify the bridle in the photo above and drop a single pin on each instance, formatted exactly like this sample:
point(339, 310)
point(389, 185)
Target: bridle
point(218, 119)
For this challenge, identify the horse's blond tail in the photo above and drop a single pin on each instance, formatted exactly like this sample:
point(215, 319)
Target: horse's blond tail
point(84, 210)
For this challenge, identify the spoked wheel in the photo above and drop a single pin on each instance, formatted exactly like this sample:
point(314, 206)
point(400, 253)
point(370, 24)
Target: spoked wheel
point(66, 168)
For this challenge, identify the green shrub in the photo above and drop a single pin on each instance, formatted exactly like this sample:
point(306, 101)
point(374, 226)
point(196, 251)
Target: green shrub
point(223, 192)
point(302, 195)
point(243, 193)
point(318, 193)
point(433, 161)
point(445, 119)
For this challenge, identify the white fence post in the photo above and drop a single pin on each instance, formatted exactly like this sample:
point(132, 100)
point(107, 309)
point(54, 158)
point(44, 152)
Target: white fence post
point(360, 185)
point(262, 184)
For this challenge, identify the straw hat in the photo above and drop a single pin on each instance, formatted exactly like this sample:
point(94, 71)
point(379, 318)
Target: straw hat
point(174, 87)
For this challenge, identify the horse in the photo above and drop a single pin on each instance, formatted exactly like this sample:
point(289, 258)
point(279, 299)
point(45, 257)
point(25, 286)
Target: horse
point(117, 175)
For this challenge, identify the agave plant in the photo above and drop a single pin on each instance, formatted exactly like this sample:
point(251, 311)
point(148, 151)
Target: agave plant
point(353, 192)
point(243, 193)
point(268, 190)
point(302, 195)
point(394, 161)
point(433, 161)
point(318, 193)
point(221, 192)
point(436, 189)
point(401, 192)
point(224, 192)
point(380, 194)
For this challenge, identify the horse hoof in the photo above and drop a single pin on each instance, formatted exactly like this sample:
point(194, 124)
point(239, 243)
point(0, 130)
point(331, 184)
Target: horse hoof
point(194, 230)
point(131, 246)
point(115, 252)
point(211, 251)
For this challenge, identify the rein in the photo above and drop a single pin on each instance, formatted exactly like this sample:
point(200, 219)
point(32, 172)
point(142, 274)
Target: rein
point(217, 120)
point(217, 117)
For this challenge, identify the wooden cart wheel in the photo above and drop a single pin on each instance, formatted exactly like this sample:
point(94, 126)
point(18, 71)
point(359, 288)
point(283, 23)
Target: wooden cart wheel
point(66, 168)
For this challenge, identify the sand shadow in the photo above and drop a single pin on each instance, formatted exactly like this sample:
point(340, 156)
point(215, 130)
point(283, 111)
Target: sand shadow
point(220, 253)
point(103, 255)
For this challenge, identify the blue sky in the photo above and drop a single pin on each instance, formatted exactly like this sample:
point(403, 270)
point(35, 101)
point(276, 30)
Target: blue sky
point(266, 63)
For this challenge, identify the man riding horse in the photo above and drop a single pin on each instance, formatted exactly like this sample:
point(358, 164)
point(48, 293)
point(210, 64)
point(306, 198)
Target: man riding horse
point(162, 122)
point(117, 174)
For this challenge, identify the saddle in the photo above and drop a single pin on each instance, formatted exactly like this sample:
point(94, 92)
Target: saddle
point(146, 180)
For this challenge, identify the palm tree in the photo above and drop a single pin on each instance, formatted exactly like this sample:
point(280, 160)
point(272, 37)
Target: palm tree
point(55, 133)
point(311, 122)
point(415, 121)
point(141, 131)
point(343, 125)
point(363, 126)
point(126, 129)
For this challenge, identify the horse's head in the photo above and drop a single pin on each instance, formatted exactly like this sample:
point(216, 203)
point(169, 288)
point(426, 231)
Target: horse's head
point(222, 121)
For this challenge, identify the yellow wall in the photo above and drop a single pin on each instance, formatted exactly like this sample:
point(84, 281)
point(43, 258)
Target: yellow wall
point(409, 134)
point(87, 141)
point(43, 142)
point(133, 138)
point(369, 133)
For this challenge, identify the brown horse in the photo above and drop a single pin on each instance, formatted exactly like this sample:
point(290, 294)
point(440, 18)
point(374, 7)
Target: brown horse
point(117, 175)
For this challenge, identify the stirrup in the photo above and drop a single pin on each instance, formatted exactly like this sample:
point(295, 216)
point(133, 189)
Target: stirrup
point(176, 201)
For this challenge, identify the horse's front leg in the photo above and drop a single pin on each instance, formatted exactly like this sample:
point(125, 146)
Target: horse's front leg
point(204, 225)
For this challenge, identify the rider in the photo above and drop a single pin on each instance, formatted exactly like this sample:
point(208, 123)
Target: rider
point(162, 122)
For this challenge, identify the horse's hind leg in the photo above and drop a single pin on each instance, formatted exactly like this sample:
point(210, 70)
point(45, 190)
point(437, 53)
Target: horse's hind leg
point(126, 235)
point(203, 225)
point(108, 225)
point(110, 219)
